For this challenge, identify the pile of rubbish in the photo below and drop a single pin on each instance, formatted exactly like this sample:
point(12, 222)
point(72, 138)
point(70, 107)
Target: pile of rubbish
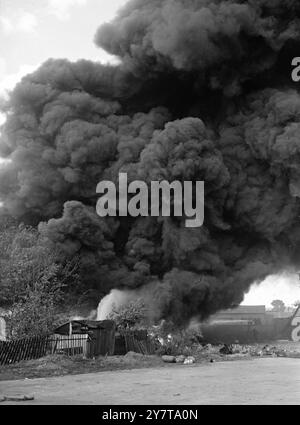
point(258, 351)
point(274, 351)
point(188, 346)
point(217, 352)
point(179, 359)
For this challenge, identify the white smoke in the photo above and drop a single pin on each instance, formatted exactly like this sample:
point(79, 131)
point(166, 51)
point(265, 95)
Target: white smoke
point(113, 301)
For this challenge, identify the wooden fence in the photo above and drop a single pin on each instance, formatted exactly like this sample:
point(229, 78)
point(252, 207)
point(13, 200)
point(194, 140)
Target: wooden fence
point(22, 349)
point(74, 345)
point(100, 343)
point(39, 346)
point(137, 341)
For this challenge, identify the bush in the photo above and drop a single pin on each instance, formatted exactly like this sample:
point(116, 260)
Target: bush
point(33, 281)
point(35, 314)
point(129, 315)
point(26, 259)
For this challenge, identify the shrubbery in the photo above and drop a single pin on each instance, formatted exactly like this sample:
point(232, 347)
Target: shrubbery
point(34, 279)
point(130, 315)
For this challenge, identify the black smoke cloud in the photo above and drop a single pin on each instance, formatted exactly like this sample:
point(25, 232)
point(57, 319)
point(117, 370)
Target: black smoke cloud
point(203, 92)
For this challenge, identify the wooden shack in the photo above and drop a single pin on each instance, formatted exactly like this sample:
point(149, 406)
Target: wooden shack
point(99, 338)
point(92, 338)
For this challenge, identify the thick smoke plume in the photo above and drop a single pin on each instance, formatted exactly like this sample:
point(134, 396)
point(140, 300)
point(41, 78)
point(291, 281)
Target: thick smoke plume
point(203, 92)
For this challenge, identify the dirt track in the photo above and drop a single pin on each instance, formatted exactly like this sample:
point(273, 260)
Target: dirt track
point(257, 381)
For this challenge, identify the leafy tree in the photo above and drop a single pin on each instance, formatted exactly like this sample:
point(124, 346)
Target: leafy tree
point(35, 279)
point(36, 313)
point(26, 258)
point(129, 315)
point(278, 305)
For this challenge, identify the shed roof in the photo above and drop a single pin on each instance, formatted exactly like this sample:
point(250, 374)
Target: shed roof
point(81, 326)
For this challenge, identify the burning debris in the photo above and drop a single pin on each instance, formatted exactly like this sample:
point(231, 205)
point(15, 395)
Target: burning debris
point(202, 92)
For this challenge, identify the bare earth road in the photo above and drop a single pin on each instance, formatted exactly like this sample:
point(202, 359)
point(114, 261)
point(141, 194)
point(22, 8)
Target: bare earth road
point(257, 381)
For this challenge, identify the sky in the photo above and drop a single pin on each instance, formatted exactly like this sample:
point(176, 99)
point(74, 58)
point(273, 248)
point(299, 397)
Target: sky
point(31, 31)
point(284, 286)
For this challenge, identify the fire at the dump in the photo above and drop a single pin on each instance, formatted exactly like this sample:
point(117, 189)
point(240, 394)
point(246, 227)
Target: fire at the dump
point(202, 92)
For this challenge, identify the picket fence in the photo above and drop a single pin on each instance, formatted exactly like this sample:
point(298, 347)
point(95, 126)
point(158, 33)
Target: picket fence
point(39, 346)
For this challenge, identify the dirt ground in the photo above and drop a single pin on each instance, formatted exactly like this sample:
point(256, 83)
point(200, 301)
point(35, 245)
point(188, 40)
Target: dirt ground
point(256, 374)
point(59, 365)
point(254, 381)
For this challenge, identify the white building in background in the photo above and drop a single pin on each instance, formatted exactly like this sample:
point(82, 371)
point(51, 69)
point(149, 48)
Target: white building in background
point(2, 329)
point(3, 324)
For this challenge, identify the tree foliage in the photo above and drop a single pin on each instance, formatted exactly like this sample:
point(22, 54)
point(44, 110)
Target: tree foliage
point(36, 313)
point(278, 305)
point(130, 315)
point(34, 279)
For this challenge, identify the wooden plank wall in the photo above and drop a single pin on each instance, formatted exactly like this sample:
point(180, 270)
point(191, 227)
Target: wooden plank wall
point(103, 342)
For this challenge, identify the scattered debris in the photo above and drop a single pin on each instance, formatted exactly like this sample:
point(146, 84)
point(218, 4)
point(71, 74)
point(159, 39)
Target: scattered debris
point(189, 360)
point(258, 350)
point(168, 359)
point(217, 352)
point(226, 349)
point(208, 348)
point(180, 359)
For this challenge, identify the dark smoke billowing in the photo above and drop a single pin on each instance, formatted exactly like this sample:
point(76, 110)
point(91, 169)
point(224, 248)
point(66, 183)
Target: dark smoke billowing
point(203, 92)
